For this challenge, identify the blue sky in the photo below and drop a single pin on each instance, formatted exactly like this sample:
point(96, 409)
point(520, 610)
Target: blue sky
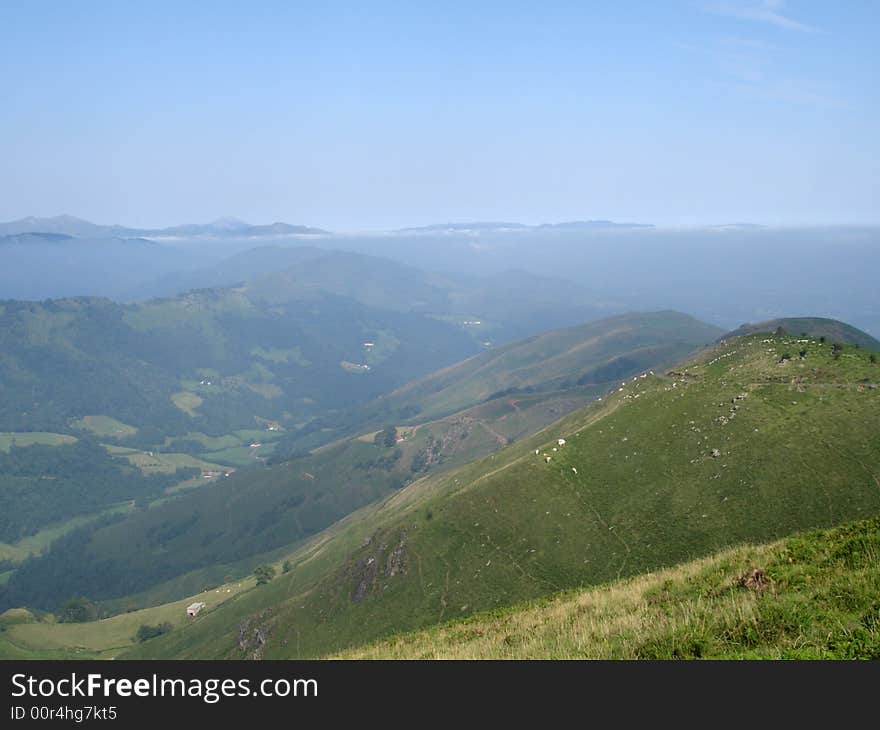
point(371, 115)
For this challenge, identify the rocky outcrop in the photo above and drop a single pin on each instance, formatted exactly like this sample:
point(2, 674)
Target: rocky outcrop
point(253, 634)
point(366, 570)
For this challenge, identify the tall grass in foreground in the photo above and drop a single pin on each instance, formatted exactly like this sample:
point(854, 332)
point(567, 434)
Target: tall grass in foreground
point(812, 596)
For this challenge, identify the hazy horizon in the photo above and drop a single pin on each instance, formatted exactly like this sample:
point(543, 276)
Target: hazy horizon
point(406, 227)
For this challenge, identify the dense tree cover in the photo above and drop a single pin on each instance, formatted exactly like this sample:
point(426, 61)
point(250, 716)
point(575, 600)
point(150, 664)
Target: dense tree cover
point(44, 484)
point(248, 514)
point(65, 359)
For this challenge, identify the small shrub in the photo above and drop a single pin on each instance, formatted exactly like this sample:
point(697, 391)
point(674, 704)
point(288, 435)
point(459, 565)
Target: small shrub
point(264, 573)
point(150, 632)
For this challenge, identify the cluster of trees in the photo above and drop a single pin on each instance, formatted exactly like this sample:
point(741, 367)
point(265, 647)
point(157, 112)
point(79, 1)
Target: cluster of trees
point(387, 437)
point(264, 573)
point(78, 611)
point(42, 484)
point(146, 631)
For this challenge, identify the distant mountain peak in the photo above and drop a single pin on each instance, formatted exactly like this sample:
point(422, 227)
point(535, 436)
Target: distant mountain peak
point(229, 223)
point(67, 218)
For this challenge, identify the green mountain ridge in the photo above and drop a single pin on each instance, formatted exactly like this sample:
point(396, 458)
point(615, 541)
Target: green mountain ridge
point(741, 444)
point(817, 327)
point(593, 353)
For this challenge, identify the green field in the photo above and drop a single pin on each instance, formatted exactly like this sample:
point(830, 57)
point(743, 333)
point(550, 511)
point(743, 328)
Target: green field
point(114, 450)
point(251, 435)
point(29, 438)
point(154, 461)
point(241, 455)
point(280, 355)
point(211, 443)
point(187, 402)
point(815, 597)
point(104, 426)
point(37, 543)
point(106, 638)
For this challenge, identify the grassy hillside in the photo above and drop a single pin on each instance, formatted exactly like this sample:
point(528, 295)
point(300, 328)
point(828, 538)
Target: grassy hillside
point(812, 596)
point(592, 354)
point(180, 542)
point(742, 444)
point(831, 329)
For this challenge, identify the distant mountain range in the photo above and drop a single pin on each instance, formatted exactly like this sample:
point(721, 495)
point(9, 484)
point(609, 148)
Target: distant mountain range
point(478, 227)
point(69, 225)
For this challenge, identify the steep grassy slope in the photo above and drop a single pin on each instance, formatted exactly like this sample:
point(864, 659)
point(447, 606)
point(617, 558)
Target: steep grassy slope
point(812, 596)
point(179, 545)
point(739, 445)
point(831, 329)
